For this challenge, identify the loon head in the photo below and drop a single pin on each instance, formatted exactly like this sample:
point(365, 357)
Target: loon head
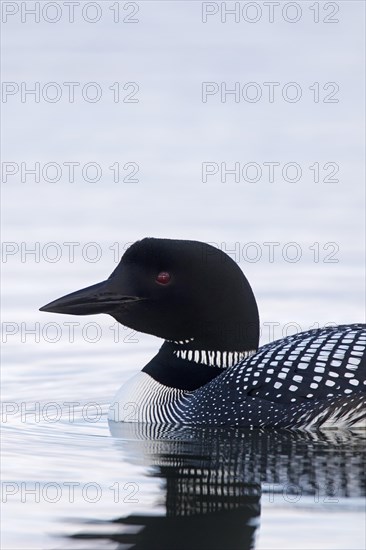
point(187, 292)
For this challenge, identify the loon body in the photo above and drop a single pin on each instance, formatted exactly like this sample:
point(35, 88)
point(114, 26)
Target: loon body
point(209, 371)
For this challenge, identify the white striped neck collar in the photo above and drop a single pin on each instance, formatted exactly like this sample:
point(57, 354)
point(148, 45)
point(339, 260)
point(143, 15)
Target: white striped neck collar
point(185, 350)
point(186, 368)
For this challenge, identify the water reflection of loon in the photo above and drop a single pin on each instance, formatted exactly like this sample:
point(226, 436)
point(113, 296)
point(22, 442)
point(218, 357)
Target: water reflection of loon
point(214, 479)
point(209, 370)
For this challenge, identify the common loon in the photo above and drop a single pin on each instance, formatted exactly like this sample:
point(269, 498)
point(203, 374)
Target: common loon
point(209, 370)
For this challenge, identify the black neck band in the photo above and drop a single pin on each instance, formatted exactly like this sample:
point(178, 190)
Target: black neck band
point(171, 371)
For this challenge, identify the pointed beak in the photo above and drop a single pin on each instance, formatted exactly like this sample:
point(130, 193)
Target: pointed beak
point(97, 298)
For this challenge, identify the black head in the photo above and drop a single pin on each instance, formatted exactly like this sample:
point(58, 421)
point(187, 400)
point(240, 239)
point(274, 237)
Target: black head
point(177, 290)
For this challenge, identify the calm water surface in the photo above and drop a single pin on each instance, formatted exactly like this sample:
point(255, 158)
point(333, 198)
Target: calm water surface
point(75, 486)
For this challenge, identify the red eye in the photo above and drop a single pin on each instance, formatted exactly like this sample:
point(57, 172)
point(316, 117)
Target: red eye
point(163, 278)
